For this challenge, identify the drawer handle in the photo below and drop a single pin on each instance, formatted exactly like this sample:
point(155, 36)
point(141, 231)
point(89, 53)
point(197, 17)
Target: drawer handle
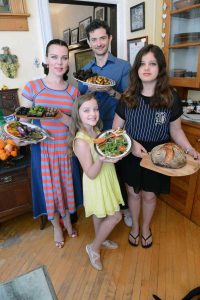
point(6, 179)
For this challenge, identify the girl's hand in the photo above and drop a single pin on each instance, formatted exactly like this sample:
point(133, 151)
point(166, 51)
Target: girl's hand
point(193, 153)
point(109, 160)
point(138, 150)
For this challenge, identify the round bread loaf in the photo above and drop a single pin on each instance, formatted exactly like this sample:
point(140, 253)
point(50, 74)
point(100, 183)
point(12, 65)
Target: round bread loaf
point(168, 155)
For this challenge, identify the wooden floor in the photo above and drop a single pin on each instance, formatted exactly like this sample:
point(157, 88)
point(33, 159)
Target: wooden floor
point(169, 269)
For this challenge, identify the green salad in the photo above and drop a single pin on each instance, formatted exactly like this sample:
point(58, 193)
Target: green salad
point(113, 146)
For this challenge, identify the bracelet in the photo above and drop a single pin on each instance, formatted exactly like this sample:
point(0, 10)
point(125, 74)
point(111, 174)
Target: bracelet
point(188, 150)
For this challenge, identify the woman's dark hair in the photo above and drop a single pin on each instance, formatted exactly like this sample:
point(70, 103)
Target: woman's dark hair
point(55, 42)
point(96, 24)
point(162, 95)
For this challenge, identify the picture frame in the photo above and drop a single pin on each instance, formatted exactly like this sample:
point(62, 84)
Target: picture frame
point(74, 36)
point(82, 26)
point(4, 6)
point(66, 36)
point(134, 46)
point(82, 58)
point(100, 13)
point(137, 17)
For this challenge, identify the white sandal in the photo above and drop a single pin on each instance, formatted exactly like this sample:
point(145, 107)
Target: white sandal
point(94, 258)
point(109, 244)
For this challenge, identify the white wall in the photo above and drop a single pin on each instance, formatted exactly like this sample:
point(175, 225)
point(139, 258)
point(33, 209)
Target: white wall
point(27, 45)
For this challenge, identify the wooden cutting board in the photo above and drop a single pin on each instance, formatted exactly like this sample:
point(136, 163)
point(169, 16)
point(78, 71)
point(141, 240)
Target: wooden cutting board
point(191, 167)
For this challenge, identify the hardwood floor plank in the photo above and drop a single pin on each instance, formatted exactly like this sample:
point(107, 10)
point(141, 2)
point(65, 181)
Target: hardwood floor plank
point(169, 269)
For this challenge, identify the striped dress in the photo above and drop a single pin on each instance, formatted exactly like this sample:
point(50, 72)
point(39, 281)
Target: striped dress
point(56, 165)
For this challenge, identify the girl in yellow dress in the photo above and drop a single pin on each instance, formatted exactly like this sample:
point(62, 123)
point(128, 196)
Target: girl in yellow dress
point(101, 190)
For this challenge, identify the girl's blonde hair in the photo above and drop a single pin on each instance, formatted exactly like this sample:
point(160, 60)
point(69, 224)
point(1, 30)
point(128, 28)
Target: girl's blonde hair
point(76, 123)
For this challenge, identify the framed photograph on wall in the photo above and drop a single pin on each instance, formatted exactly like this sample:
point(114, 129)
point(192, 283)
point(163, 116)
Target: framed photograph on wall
point(4, 6)
point(82, 58)
point(82, 25)
point(66, 36)
point(74, 36)
point(137, 17)
point(134, 45)
point(100, 13)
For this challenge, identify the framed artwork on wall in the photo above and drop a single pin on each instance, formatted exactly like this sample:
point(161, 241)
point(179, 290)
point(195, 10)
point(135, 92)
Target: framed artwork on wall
point(82, 26)
point(82, 58)
point(66, 36)
point(4, 6)
point(134, 46)
point(74, 36)
point(137, 17)
point(100, 13)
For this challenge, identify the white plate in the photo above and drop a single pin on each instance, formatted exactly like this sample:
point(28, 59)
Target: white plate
point(126, 152)
point(103, 86)
point(24, 141)
point(195, 117)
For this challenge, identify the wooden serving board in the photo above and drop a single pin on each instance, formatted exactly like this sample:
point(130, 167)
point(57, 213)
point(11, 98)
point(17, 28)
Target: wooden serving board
point(36, 118)
point(191, 167)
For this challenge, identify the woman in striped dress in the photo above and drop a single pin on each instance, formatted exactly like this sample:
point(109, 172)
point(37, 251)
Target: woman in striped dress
point(50, 160)
point(150, 113)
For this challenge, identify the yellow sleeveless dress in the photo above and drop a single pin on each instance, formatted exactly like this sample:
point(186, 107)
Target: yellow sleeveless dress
point(102, 194)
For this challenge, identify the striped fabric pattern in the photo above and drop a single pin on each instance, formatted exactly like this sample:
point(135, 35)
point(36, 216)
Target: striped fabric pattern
point(56, 166)
point(156, 123)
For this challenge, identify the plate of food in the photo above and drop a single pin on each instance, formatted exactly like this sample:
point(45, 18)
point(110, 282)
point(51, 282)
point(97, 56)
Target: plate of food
point(92, 79)
point(25, 132)
point(113, 143)
point(170, 159)
point(36, 112)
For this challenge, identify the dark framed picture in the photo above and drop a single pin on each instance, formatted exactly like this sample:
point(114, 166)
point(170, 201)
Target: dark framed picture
point(82, 58)
point(134, 46)
point(100, 13)
point(66, 36)
point(82, 25)
point(137, 17)
point(4, 6)
point(74, 36)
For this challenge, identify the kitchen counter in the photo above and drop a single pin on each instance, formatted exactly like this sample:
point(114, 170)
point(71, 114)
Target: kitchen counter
point(185, 191)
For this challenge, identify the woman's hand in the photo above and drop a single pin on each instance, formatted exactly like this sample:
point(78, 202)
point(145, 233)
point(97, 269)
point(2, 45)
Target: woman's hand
point(138, 150)
point(65, 119)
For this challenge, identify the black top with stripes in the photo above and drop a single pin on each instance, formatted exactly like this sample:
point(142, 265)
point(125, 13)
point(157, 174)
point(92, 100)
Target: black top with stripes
point(149, 124)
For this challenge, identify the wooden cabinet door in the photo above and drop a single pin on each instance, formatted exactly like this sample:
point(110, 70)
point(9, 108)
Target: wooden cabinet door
point(15, 192)
point(183, 189)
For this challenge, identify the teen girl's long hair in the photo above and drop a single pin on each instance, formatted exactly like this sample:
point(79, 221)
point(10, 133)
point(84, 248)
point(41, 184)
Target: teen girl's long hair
point(76, 123)
point(162, 96)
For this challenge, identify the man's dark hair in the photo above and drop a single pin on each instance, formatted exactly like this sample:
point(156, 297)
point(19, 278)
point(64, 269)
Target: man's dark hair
point(96, 24)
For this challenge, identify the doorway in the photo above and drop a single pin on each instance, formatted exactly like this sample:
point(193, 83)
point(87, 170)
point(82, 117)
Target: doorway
point(46, 28)
point(77, 9)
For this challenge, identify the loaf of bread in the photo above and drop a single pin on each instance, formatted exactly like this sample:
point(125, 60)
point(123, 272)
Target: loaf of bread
point(168, 155)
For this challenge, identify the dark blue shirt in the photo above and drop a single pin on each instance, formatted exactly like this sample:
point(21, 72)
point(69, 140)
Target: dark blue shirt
point(116, 69)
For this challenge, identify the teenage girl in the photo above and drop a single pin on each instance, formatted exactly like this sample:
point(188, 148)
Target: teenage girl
point(101, 190)
point(150, 113)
